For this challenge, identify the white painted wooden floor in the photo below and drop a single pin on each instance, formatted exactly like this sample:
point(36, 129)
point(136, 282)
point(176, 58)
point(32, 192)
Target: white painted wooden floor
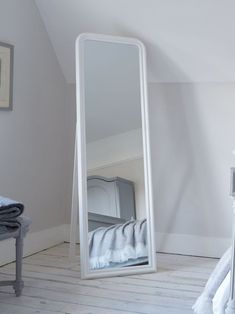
point(52, 285)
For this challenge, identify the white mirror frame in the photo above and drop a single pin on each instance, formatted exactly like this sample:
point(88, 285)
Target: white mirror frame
point(80, 166)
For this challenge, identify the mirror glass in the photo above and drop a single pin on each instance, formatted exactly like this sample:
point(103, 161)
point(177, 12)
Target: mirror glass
point(118, 235)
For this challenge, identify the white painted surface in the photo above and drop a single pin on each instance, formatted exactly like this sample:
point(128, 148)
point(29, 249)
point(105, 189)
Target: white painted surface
point(33, 142)
point(82, 163)
point(189, 244)
point(186, 40)
point(70, 116)
point(192, 128)
point(53, 285)
point(115, 149)
point(34, 242)
point(112, 89)
point(192, 136)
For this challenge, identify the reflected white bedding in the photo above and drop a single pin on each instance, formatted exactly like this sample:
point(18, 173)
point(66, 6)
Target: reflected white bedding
point(120, 245)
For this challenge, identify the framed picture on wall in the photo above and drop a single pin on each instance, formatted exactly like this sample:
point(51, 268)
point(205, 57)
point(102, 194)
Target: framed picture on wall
point(6, 76)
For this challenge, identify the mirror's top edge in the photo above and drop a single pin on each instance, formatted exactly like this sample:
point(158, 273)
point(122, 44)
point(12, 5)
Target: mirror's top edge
point(109, 38)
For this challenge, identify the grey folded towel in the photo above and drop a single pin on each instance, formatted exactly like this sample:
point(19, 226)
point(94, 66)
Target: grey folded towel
point(9, 211)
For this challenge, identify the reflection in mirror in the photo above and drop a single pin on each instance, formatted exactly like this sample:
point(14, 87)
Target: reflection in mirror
point(113, 157)
point(115, 182)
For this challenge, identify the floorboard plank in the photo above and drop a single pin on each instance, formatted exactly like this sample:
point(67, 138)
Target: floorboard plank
point(53, 285)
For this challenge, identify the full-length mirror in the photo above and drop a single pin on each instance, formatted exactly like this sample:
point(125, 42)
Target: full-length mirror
point(114, 171)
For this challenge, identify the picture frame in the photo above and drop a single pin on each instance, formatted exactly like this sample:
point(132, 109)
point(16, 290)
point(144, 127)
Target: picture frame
point(6, 76)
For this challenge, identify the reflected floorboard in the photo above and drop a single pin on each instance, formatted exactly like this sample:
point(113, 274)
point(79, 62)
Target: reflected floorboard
point(53, 285)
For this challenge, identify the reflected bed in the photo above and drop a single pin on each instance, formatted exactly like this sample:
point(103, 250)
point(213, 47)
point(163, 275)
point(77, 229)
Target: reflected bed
point(119, 245)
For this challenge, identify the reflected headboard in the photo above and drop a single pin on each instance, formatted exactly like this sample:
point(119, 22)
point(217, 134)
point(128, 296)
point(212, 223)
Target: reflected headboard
point(111, 198)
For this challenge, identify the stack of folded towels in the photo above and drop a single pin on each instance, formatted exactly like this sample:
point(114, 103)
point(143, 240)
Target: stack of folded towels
point(10, 210)
point(215, 296)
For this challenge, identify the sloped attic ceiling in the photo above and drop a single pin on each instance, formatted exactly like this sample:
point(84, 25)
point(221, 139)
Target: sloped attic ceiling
point(186, 40)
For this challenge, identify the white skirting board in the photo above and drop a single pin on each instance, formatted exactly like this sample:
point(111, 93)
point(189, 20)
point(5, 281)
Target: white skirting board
point(184, 244)
point(187, 244)
point(166, 243)
point(33, 243)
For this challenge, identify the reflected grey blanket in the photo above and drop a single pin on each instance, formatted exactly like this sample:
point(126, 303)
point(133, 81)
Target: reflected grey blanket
point(118, 244)
point(9, 211)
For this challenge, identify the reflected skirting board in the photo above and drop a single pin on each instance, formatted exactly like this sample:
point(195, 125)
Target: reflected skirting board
point(166, 243)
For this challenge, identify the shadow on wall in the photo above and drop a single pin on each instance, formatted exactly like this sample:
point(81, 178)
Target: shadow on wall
point(186, 192)
point(187, 197)
point(185, 189)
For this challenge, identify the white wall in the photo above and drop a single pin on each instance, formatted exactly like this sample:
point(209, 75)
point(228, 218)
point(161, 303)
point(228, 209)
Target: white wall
point(192, 137)
point(114, 149)
point(111, 79)
point(183, 38)
point(33, 146)
point(120, 155)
